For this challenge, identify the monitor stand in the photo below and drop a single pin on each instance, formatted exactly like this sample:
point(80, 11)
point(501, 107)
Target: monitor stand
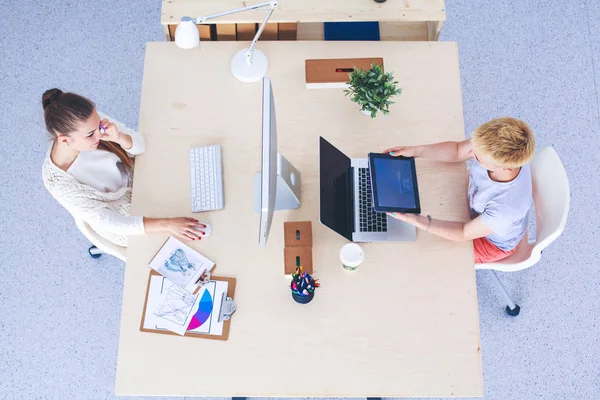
point(288, 186)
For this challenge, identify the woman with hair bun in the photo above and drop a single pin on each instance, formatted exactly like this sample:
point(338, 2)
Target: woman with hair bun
point(88, 170)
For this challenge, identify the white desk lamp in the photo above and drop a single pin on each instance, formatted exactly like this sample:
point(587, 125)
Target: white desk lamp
point(248, 65)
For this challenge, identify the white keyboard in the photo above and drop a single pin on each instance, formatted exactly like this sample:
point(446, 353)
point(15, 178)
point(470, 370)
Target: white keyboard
point(206, 174)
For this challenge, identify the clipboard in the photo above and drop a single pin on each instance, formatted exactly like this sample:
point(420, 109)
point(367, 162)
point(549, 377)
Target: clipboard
point(226, 324)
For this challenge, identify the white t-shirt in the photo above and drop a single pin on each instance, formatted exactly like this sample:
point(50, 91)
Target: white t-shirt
point(503, 206)
point(105, 172)
point(99, 169)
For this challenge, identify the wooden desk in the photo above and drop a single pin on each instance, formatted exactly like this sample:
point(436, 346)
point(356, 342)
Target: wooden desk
point(399, 19)
point(404, 324)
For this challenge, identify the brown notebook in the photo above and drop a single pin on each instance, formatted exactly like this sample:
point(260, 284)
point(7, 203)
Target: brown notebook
point(333, 73)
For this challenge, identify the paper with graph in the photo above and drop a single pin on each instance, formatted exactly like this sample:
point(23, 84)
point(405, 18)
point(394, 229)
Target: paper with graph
point(206, 314)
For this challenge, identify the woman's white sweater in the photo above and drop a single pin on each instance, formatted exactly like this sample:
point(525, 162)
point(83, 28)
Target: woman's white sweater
point(97, 189)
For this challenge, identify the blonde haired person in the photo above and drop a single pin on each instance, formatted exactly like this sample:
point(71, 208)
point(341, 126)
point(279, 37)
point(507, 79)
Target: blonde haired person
point(88, 170)
point(500, 188)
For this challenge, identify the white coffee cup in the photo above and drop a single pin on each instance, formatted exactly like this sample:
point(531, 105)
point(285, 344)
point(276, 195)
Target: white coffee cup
point(351, 256)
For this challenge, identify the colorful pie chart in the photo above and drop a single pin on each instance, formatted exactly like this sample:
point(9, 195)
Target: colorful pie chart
point(204, 309)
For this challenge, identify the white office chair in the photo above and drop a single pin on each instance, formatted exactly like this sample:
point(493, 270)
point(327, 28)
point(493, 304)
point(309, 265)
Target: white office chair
point(100, 244)
point(551, 197)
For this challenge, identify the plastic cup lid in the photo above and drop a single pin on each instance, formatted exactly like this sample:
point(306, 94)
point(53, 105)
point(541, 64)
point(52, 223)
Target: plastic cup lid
point(352, 255)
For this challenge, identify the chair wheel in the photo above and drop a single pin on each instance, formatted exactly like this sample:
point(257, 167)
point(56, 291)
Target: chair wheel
point(94, 252)
point(514, 312)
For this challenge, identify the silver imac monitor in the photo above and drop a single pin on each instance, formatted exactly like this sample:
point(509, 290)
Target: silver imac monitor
point(277, 186)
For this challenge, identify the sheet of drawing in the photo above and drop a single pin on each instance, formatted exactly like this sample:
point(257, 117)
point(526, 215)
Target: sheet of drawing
point(180, 264)
point(174, 308)
point(154, 296)
point(210, 299)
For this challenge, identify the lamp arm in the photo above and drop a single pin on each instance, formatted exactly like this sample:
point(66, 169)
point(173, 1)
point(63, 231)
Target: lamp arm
point(199, 20)
point(250, 51)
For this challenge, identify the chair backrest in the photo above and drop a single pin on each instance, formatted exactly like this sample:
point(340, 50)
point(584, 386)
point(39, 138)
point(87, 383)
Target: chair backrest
point(104, 245)
point(551, 196)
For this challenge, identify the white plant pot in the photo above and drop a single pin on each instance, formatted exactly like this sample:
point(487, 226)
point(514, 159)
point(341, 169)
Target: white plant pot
point(367, 113)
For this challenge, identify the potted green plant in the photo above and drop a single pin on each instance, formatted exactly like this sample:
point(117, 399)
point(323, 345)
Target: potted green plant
point(372, 89)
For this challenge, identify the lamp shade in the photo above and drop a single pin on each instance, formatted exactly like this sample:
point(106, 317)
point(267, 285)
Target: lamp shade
point(186, 34)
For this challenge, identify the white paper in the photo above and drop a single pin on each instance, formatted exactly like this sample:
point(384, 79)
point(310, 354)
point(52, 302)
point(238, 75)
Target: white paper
point(181, 264)
point(174, 307)
point(156, 292)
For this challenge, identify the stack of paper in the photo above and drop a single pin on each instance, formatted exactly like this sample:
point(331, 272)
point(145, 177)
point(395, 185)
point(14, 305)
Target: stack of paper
point(180, 299)
point(178, 311)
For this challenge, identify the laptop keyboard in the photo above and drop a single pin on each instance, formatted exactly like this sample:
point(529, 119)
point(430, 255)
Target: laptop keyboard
point(370, 220)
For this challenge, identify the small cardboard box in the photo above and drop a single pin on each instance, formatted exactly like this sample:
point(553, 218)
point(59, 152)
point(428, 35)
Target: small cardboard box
point(333, 73)
point(298, 255)
point(298, 234)
point(298, 247)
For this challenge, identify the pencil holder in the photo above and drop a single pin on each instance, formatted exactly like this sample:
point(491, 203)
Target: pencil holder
point(303, 286)
point(302, 299)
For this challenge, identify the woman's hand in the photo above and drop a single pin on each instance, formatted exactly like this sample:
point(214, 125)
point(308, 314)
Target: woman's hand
point(184, 228)
point(409, 218)
point(111, 133)
point(404, 151)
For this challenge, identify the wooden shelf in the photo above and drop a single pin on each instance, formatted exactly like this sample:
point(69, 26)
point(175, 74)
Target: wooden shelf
point(401, 20)
point(389, 31)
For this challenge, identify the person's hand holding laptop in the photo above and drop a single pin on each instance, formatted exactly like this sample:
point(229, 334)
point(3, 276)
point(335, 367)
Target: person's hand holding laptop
point(404, 153)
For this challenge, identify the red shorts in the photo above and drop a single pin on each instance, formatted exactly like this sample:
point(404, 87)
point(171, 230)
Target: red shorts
point(486, 252)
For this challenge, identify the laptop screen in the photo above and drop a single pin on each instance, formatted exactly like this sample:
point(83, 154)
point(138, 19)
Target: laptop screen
point(336, 188)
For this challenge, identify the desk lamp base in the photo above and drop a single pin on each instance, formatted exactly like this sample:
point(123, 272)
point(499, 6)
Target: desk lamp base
point(249, 72)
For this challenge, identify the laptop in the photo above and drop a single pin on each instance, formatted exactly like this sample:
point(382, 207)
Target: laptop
point(346, 203)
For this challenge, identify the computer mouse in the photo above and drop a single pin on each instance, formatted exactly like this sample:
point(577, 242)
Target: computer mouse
point(207, 231)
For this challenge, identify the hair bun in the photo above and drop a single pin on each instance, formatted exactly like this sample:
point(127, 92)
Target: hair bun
point(50, 96)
